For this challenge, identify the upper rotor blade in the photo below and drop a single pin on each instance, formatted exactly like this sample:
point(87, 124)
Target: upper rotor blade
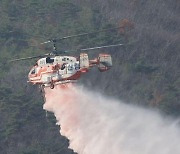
point(46, 42)
point(83, 34)
point(100, 47)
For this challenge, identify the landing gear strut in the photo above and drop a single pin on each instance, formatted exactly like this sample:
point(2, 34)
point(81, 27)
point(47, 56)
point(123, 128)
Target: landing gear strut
point(41, 87)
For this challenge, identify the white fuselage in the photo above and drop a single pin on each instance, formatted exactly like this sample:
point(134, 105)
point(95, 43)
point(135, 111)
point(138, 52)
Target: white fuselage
point(54, 69)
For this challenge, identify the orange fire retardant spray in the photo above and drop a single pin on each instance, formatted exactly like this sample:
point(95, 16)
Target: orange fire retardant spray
point(95, 124)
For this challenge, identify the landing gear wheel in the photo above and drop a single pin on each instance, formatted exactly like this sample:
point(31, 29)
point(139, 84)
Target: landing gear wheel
point(52, 86)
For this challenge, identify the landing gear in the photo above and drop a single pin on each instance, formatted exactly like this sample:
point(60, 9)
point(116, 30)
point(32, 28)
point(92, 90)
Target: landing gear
point(41, 87)
point(52, 86)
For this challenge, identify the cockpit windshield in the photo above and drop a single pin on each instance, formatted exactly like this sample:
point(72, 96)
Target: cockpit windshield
point(33, 71)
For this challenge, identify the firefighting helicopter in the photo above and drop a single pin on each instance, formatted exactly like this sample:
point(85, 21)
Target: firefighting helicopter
point(53, 69)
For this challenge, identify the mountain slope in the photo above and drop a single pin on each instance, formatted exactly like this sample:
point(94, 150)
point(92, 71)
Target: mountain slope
point(145, 70)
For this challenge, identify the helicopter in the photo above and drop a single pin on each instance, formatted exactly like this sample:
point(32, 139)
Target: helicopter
point(52, 69)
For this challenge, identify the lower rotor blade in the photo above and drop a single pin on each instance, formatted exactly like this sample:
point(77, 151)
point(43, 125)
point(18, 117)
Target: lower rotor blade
point(27, 58)
point(100, 47)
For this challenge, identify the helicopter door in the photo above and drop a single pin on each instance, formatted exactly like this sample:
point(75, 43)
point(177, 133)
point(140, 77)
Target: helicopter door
point(84, 60)
point(71, 68)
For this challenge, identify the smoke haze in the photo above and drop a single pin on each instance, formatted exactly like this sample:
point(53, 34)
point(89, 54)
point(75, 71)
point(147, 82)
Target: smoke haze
point(95, 124)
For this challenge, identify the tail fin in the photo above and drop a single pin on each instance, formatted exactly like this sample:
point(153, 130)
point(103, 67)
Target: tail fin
point(84, 60)
point(105, 62)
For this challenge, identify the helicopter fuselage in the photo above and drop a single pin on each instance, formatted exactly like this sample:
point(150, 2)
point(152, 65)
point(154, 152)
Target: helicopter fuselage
point(50, 71)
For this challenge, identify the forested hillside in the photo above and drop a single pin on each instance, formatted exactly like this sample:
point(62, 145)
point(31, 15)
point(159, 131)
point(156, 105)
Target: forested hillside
point(145, 70)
